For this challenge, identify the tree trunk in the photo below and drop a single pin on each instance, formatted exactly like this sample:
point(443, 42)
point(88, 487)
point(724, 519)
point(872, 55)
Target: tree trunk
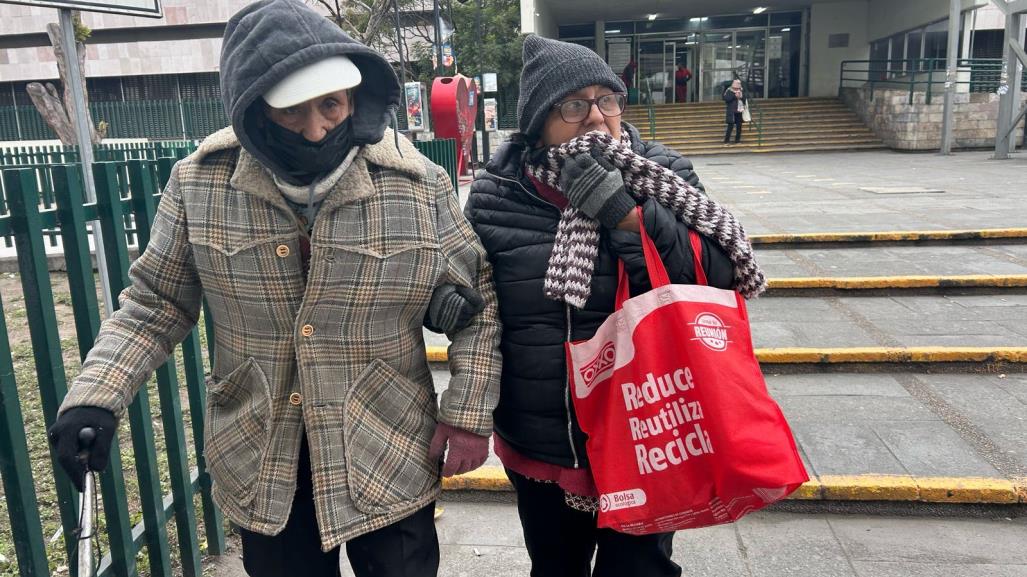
point(52, 110)
point(57, 113)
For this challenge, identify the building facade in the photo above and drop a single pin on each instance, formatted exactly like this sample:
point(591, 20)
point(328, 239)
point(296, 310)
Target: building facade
point(153, 78)
point(778, 48)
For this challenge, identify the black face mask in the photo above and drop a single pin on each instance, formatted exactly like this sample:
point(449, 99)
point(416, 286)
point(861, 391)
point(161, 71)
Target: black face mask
point(303, 160)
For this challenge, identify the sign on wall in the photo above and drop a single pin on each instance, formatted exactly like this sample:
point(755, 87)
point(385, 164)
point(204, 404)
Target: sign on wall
point(145, 8)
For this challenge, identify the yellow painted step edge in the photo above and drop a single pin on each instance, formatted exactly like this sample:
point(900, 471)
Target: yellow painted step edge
point(889, 236)
point(438, 354)
point(965, 490)
point(900, 282)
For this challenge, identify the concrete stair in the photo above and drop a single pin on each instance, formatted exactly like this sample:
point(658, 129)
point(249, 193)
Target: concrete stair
point(787, 125)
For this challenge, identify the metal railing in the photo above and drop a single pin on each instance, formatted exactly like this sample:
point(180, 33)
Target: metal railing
point(137, 508)
point(152, 119)
point(925, 75)
point(42, 203)
point(650, 109)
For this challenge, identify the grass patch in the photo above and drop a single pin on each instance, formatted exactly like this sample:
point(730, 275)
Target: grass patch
point(30, 400)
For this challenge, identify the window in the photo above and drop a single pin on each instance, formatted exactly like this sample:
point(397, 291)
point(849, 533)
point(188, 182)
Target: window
point(898, 54)
point(620, 28)
point(589, 43)
point(785, 18)
point(914, 46)
point(104, 89)
point(878, 58)
point(741, 21)
point(936, 43)
point(200, 86)
point(578, 31)
point(668, 25)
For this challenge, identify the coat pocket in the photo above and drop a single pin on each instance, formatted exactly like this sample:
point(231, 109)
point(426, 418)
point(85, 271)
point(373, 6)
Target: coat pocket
point(236, 432)
point(389, 421)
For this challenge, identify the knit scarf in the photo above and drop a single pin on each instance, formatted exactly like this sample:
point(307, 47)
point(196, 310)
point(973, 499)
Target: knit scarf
point(572, 262)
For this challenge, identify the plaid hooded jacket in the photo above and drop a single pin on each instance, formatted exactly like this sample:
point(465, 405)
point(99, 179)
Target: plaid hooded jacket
point(340, 356)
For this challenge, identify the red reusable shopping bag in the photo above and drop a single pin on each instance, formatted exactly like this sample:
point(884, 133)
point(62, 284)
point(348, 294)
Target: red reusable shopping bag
point(681, 430)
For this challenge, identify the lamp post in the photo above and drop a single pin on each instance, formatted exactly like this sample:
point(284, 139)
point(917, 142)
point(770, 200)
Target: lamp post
point(399, 46)
point(438, 38)
point(481, 74)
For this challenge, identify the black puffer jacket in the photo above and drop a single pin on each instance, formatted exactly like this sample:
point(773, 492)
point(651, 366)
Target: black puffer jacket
point(517, 228)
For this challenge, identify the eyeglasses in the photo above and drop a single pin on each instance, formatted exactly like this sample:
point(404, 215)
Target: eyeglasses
point(578, 109)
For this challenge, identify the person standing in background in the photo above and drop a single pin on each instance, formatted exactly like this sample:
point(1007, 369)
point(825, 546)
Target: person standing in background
point(681, 78)
point(735, 102)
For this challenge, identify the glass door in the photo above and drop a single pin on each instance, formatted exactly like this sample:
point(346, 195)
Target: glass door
point(669, 66)
point(716, 64)
point(655, 81)
point(682, 56)
point(751, 61)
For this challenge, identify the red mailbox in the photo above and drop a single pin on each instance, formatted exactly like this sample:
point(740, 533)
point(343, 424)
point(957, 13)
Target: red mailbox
point(454, 106)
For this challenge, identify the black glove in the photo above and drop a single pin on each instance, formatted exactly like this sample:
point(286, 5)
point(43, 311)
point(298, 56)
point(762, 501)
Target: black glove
point(64, 438)
point(452, 308)
point(596, 188)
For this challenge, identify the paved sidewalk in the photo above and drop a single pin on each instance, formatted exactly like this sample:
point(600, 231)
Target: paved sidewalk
point(872, 261)
point(821, 192)
point(485, 540)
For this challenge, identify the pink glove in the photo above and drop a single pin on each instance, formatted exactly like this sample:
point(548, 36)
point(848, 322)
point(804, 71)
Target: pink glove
point(467, 451)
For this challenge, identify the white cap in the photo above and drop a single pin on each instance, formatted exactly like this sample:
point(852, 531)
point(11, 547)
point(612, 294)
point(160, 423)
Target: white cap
point(322, 77)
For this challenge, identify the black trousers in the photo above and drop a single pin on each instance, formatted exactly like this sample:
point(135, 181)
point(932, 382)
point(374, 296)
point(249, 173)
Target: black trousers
point(561, 540)
point(407, 548)
point(737, 126)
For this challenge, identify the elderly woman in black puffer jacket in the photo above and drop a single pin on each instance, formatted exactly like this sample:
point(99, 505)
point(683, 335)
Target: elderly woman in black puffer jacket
point(565, 158)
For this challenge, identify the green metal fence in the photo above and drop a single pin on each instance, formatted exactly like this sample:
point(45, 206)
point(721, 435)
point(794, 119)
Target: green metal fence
point(43, 160)
point(151, 119)
point(125, 189)
point(166, 119)
point(925, 75)
point(443, 153)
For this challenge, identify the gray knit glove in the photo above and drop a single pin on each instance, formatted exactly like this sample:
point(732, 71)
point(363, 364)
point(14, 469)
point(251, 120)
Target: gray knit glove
point(452, 308)
point(596, 188)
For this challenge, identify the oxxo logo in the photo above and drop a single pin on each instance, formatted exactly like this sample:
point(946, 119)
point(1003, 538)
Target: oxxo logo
point(710, 331)
point(599, 367)
point(622, 500)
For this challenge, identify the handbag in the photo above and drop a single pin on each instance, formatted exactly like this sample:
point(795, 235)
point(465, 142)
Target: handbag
point(746, 116)
point(681, 430)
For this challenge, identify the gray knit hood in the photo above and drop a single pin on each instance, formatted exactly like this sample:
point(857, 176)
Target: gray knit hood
point(267, 40)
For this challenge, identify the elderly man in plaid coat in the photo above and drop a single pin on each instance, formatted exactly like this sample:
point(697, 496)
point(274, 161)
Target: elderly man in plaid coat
point(321, 242)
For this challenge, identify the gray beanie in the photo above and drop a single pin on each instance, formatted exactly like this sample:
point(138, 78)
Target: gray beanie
point(552, 70)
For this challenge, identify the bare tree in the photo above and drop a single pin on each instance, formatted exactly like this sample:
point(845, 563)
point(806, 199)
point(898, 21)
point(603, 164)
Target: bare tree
point(365, 21)
point(57, 112)
point(372, 23)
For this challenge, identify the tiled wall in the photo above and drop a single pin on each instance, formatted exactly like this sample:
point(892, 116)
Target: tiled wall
point(127, 59)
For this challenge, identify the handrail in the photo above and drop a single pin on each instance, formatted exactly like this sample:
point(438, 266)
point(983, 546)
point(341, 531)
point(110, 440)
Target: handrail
point(920, 75)
point(651, 109)
point(755, 110)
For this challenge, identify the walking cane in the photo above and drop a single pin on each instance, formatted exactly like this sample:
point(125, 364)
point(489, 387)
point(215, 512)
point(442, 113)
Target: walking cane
point(85, 529)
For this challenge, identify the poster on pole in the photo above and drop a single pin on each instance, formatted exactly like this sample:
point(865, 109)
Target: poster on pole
point(144, 8)
point(491, 114)
point(491, 82)
point(447, 55)
point(413, 94)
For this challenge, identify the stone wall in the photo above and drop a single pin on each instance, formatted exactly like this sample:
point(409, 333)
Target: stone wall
point(917, 126)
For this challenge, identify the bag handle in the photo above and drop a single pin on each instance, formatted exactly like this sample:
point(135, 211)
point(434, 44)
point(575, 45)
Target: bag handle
point(696, 241)
point(658, 276)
